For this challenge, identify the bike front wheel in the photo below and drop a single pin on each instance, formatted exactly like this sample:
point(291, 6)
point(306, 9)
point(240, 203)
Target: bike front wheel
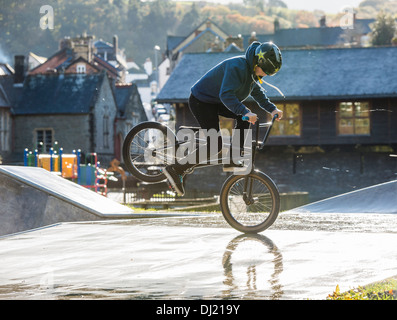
point(250, 203)
point(147, 149)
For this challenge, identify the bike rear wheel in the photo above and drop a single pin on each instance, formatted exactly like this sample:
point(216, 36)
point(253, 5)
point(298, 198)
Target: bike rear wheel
point(250, 203)
point(147, 149)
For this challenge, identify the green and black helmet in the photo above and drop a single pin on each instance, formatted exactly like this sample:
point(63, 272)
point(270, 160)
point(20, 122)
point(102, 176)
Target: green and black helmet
point(268, 58)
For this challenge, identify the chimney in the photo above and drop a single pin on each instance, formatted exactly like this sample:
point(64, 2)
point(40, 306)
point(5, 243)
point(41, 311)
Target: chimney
point(115, 45)
point(83, 47)
point(323, 22)
point(19, 67)
point(238, 41)
point(276, 25)
point(253, 37)
point(66, 42)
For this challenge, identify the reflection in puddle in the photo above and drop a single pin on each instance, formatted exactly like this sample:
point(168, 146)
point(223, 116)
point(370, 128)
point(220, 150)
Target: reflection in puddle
point(206, 266)
point(252, 265)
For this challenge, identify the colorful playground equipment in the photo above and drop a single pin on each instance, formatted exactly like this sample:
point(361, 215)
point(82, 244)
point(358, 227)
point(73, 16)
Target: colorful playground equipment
point(70, 166)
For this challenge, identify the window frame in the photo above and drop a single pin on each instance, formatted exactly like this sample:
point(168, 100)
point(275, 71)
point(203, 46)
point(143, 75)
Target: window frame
point(354, 117)
point(106, 132)
point(46, 147)
point(81, 68)
point(5, 128)
point(282, 107)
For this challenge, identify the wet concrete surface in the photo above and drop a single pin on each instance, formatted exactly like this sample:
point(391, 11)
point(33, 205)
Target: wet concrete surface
point(302, 256)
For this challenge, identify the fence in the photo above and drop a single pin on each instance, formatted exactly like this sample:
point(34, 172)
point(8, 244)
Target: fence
point(160, 196)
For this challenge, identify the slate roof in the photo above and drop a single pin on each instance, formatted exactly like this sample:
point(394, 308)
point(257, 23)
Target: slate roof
point(173, 41)
point(12, 92)
point(4, 102)
point(58, 60)
point(201, 34)
point(311, 37)
point(100, 44)
point(305, 75)
point(59, 94)
point(122, 95)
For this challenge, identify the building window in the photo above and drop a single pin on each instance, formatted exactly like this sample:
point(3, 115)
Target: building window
point(80, 68)
point(4, 130)
point(43, 139)
point(353, 118)
point(290, 124)
point(106, 130)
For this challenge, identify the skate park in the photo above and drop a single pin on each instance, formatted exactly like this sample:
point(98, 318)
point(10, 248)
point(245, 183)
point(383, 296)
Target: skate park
point(61, 241)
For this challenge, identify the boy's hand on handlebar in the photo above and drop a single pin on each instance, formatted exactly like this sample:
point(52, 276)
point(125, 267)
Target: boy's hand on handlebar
point(279, 113)
point(252, 117)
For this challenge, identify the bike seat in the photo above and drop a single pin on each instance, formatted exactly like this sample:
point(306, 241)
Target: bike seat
point(189, 128)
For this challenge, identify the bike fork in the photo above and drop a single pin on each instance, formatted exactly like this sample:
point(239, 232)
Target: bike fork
point(247, 193)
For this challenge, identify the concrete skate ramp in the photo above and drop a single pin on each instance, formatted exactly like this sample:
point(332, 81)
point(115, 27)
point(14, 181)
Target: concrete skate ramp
point(381, 198)
point(33, 197)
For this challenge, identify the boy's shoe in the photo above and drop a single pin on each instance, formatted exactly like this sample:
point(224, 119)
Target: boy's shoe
point(175, 179)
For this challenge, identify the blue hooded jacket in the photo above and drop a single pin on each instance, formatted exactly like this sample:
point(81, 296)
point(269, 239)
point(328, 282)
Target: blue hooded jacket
point(231, 82)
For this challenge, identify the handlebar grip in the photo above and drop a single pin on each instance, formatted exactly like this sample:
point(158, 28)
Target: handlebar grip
point(245, 118)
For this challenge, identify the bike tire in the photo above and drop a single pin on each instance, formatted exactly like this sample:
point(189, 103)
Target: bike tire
point(139, 156)
point(245, 217)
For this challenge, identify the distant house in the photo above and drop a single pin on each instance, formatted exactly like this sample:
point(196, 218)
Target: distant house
point(111, 53)
point(339, 113)
point(207, 37)
point(77, 110)
point(145, 80)
point(76, 98)
point(202, 39)
point(83, 55)
point(130, 112)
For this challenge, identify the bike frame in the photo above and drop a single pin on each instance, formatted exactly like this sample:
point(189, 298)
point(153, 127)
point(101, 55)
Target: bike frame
point(256, 144)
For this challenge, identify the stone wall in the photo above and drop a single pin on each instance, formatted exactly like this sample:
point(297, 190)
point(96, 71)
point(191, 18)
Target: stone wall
point(71, 132)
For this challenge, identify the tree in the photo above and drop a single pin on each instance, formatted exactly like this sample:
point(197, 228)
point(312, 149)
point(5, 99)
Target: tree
point(277, 4)
point(383, 30)
point(371, 3)
point(261, 4)
point(189, 20)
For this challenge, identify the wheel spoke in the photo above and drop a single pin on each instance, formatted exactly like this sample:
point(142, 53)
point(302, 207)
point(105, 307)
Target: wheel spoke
point(249, 205)
point(146, 151)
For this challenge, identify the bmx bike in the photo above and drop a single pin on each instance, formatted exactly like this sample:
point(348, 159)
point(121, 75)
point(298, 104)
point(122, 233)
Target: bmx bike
point(249, 202)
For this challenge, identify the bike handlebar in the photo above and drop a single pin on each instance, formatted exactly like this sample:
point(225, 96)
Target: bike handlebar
point(270, 125)
point(274, 118)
